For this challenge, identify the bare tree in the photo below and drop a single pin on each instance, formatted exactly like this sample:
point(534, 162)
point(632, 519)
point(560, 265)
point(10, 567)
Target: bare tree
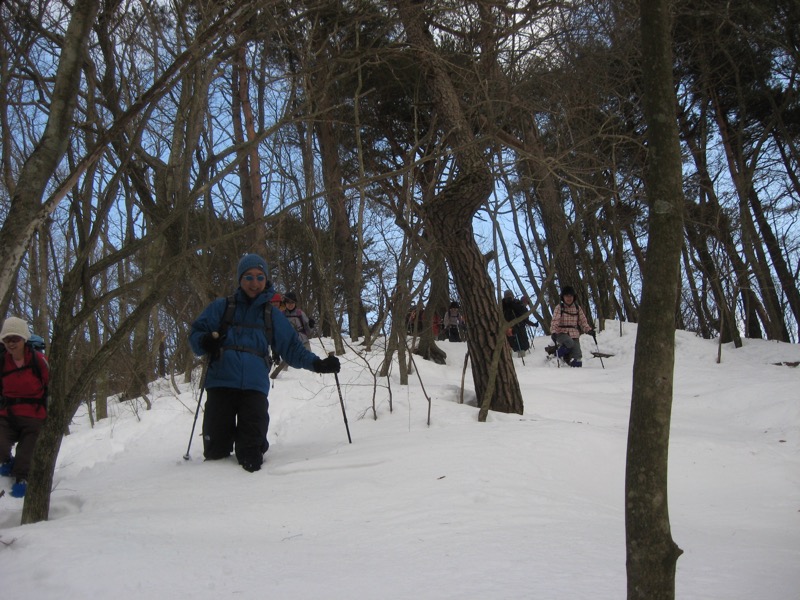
point(651, 552)
point(25, 215)
point(448, 217)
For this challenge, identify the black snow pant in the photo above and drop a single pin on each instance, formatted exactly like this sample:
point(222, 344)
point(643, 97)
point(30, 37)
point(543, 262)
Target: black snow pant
point(518, 340)
point(453, 334)
point(22, 431)
point(236, 418)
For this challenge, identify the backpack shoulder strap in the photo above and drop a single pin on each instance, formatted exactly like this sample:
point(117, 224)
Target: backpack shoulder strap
point(37, 371)
point(35, 368)
point(230, 310)
point(268, 330)
point(227, 316)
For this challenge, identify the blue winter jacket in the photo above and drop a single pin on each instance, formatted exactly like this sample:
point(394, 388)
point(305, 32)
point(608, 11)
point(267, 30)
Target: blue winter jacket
point(241, 369)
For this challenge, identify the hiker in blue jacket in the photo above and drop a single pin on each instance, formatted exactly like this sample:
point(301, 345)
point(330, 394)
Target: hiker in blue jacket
point(237, 384)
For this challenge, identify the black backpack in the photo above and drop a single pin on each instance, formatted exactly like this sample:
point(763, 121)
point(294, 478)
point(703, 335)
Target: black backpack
point(36, 344)
point(227, 321)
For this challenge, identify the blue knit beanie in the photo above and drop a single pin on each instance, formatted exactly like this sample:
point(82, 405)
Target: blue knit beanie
point(251, 261)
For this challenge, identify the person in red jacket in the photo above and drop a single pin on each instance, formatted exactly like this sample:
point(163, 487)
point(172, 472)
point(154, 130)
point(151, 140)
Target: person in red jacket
point(23, 383)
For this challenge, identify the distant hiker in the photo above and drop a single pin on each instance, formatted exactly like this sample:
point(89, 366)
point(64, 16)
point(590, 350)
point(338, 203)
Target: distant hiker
point(237, 385)
point(23, 401)
point(453, 322)
point(517, 335)
point(415, 319)
point(411, 320)
point(277, 301)
point(300, 322)
point(297, 318)
point(569, 322)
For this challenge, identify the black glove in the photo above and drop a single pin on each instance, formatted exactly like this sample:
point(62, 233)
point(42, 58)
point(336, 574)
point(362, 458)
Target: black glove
point(312, 323)
point(592, 333)
point(327, 365)
point(276, 358)
point(211, 344)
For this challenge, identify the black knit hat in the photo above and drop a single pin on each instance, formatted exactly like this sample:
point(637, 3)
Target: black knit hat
point(290, 296)
point(454, 304)
point(567, 290)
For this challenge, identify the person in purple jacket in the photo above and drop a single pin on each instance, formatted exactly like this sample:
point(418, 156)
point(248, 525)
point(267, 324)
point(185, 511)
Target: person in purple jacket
point(236, 415)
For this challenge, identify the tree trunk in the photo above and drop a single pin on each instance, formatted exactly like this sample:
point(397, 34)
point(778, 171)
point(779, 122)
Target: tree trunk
point(436, 305)
point(250, 162)
point(788, 282)
point(345, 247)
point(536, 174)
point(454, 237)
point(651, 553)
point(65, 400)
point(24, 215)
point(448, 221)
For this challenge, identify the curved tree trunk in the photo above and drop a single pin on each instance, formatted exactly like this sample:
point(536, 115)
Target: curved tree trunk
point(448, 220)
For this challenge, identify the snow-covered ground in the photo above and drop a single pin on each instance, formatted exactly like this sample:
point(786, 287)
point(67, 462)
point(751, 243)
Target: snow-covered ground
point(520, 507)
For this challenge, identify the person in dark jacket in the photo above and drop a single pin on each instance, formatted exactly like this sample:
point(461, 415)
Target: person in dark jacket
point(517, 335)
point(453, 322)
point(23, 406)
point(237, 384)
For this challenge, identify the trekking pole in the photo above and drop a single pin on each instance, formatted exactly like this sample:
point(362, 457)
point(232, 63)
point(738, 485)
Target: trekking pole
point(341, 401)
point(187, 456)
point(531, 329)
point(594, 337)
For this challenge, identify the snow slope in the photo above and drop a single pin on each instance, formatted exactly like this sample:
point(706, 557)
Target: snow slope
point(520, 507)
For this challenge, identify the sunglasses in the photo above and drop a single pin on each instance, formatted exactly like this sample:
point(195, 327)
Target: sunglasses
point(254, 277)
point(13, 339)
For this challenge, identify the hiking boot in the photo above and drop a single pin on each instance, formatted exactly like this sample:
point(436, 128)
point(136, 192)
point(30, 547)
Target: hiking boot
point(576, 363)
point(251, 467)
point(562, 352)
point(6, 467)
point(19, 488)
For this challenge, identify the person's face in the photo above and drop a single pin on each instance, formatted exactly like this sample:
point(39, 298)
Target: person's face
point(253, 282)
point(290, 304)
point(569, 298)
point(14, 344)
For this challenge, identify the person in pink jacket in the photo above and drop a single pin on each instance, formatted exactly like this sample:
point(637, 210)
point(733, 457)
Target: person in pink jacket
point(569, 322)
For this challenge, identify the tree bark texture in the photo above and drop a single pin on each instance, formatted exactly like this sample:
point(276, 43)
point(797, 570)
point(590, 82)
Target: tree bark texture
point(651, 553)
point(448, 220)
